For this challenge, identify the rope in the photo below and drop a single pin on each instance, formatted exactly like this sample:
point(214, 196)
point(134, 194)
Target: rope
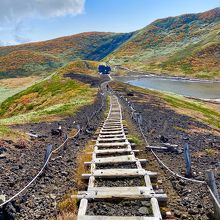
point(215, 200)
point(52, 152)
point(159, 160)
point(40, 172)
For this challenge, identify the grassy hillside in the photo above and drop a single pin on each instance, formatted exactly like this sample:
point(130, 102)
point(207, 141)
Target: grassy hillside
point(43, 57)
point(81, 66)
point(50, 99)
point(199, 110)
point(187, 45)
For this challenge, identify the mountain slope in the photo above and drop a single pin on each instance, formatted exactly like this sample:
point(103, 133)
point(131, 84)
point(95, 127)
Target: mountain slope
point(183, 45)
point(186, 45)
point(57, 96)
point(44, 57)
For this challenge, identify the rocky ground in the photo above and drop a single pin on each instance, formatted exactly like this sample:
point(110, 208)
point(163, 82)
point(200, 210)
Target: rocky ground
point(187, 200)
point(21, 161)
point(120, 208)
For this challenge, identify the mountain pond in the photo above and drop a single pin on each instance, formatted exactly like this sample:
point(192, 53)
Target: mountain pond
point(193, 88)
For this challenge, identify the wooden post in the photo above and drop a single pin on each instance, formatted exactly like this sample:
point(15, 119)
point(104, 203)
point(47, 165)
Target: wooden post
point(65, 138)
point(140, 119)
point(187, 159)
point(212, 184)
point(214, 193)
point(78, 128)
point(83, 207)
point(87, 117)
point(47, 152)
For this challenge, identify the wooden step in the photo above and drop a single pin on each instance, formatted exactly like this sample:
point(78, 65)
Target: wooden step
point(112, 128)
point(112, 123)
point(130, 193)
point(111, 136)
point(111, 139)
point(110, 132)
point(112, 151)
point(97, 217)
point(112, 173)
point(115, 160)
point(113, 144)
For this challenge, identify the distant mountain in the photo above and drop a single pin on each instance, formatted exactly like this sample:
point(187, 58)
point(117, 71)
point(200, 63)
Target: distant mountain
point(44, 57)
point(187, 45)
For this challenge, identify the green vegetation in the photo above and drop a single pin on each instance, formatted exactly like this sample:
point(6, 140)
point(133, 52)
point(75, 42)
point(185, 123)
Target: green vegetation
point(42, 58)
point(186, 45)
point(49, 99)
point(7, 92)
point(81, 66)
point(208, 114)
point(134, 139)
point(8, 133)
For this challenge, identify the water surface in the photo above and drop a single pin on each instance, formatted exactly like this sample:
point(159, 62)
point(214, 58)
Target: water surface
point(197, 89)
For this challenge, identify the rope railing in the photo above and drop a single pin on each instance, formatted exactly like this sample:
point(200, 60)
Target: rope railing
point(214, 197)
point(40, 172)
point(49, 156)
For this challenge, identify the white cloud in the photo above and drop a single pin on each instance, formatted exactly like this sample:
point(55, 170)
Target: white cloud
point(15, 13)
point(17, 10)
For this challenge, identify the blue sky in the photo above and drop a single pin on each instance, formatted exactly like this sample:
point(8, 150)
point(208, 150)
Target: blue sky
point(35, 20)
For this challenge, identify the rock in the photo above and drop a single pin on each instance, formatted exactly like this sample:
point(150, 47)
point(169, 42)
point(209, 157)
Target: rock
point(199, 206)
point(64, 173)
point(2, 150)
point(52, 196)
point(143, 210)
point(163, 139)
point(182, 182)
point(130, 94)
point(145, 203)
point(184, 216)
point(168, 214)
point(177, 213)
point(55, 132)
point(2, 198)
point(160, 182)
point(193, 211)
point(3, 155)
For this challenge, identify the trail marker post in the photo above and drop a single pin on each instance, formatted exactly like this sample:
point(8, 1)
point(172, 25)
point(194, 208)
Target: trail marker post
point(65, 139)
point(214, 193)
point(140, 119)
point(47, 152)
point(187, 158)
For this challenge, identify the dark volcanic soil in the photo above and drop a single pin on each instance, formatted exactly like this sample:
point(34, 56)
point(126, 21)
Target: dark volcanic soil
point(120, 182)
point(23, 162)
point(189, 200)
point(120, 208)
point(92, 80)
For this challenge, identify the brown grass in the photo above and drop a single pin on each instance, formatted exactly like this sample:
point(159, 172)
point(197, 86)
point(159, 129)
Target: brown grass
point(68, 206)
point(83, 156)
point(65, 216)
point(18, 82)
